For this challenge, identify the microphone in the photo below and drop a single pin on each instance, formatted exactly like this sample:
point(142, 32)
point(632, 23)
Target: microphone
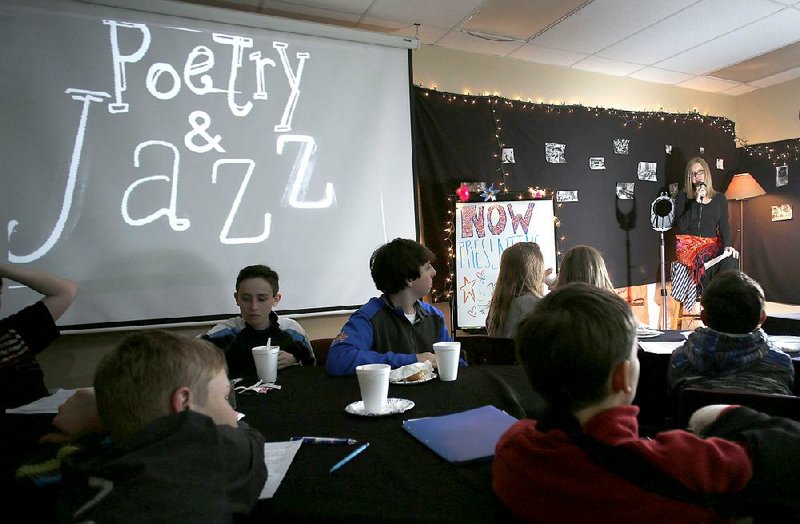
point(701, 185)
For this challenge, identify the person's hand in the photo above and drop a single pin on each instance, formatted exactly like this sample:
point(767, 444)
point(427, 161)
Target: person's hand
point(733, 252)
point(703, 417)
point(700, 195)
point(76, 417)
point(427, 357)
point(286, 359)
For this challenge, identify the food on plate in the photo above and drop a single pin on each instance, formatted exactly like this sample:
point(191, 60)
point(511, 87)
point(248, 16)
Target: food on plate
point(419, 375)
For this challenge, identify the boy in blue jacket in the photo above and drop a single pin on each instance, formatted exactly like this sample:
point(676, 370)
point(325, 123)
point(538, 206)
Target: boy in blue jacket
point(396, 328)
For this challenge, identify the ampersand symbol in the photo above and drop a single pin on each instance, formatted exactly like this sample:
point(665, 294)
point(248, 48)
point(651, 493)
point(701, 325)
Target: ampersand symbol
point(200, 122)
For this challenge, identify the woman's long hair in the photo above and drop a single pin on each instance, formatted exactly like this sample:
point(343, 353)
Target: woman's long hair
point(521, 272)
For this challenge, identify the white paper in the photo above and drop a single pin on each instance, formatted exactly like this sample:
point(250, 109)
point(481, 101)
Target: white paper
point(661, 348)
point(714, 260)
point(44, 405)
point(278, 456)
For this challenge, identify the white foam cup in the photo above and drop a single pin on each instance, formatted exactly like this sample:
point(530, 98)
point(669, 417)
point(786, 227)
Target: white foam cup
point(373, 380)
point(266, 358)
point(447, 354)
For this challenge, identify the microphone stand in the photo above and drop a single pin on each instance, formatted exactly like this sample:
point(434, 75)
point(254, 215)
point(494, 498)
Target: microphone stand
point(661, 219)
point(663, 286)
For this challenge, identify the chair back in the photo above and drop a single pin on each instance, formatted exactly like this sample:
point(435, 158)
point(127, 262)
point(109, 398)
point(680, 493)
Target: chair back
point(692, 399)
point(320, 347)
point(486, 350)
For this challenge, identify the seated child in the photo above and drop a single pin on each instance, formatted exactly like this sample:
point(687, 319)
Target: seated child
point(176, 452)
point(732, 351)
point(519, 286)
point(256, 294)
point(396, 328)
point(584, 264)
point(584, 460)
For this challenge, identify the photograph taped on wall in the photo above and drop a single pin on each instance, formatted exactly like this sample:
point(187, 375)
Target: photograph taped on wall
point(567, 196)
point(646, 171)
point(625, 190)
point(781, 176)
point(668, 149)
point(507, 155)
point(597, 162)
point(621, 146)
point(555, 153)
point(781, 212)
point(720, 163)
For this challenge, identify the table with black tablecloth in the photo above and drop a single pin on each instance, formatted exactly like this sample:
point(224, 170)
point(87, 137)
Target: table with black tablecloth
point(396, 478)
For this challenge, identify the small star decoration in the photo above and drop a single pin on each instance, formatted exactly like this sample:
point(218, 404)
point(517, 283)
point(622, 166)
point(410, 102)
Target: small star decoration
point(490, 193)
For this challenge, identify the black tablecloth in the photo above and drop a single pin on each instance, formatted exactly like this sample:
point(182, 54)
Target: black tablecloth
point(397, 478)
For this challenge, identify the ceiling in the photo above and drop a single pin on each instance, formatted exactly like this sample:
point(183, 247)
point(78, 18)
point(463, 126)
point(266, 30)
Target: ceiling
point(719, 46)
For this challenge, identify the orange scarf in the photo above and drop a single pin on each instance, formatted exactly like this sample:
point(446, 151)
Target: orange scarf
point(692, 251)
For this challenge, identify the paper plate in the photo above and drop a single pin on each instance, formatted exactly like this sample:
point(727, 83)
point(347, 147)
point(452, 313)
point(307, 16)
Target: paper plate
point(649, 333)
point(393, 407)
point(787, 343)
point(412, 382)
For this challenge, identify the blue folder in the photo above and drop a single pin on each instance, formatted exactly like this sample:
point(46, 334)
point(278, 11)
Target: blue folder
point(462, 437)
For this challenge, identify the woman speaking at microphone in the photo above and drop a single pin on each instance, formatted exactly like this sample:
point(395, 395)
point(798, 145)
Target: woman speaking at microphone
point(702, 224)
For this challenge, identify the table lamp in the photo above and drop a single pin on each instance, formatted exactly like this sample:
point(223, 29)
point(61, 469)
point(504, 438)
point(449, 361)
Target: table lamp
point(743, 187)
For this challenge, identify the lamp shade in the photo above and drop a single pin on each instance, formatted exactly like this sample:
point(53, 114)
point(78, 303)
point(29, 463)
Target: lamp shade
point(744, 186)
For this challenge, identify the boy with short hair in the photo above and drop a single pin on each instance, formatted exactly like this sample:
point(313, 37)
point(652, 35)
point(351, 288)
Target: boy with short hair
point(176, 451)
point(256, 295)
point(732, 352)
point(396, 328)
point(584, 460)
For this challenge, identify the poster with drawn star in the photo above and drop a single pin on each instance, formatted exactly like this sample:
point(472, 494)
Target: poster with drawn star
point(483, 231)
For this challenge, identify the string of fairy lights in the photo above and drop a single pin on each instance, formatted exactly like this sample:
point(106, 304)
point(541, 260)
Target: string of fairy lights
point(637, 119)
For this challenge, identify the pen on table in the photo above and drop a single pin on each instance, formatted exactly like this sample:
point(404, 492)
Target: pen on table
point(326, 440)
point(349, 457)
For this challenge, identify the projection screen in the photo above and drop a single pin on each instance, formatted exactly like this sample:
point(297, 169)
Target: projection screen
point(149, 155)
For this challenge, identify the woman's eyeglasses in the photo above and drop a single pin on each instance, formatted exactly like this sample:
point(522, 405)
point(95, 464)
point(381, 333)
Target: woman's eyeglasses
point(699, 172)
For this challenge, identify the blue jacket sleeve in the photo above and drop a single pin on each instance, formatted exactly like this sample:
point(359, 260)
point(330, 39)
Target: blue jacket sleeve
point(353, 347)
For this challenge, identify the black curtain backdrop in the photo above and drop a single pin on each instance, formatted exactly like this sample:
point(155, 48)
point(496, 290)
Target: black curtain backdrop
point(771, 249)
point(458, 138)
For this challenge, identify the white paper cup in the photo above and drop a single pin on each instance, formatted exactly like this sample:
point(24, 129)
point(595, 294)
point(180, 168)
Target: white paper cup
point(373, 380)
point(266, 358)
point(447, 354)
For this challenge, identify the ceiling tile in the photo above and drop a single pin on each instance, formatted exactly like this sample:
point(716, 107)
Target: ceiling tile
point(778, 78)
point(762, 66)
point(704, 83)
point(673, 35)
point(660, 76)
point(605, 22)
point(740, 90)
point(345, 6)
point(309, 13)
point(427, 34)
point(436, 13)
point(520, 19)
point(597, 64)
point(772, 32)
point(545, 55)
point(465, 42)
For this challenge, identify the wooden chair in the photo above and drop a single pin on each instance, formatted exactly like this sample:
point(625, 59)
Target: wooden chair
point(486, 350)
point(692, 399)
point(320, 347)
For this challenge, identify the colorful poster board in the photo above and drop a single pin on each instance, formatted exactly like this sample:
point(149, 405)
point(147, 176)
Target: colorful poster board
point(483, 231)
